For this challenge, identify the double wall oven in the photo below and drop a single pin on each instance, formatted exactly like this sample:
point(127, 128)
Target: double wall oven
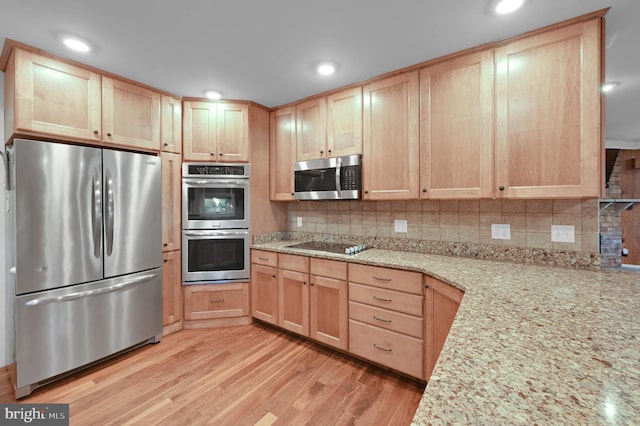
point(215, 220)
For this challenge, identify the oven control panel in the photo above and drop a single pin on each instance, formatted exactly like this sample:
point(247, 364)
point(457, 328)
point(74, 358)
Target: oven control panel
point(215, 170)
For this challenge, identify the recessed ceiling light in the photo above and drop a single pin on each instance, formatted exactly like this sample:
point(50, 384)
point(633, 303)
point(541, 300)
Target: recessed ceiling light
point(213, 94)
point(503, 7)
point(76, 44)
point(610, 85)
point(326, 67)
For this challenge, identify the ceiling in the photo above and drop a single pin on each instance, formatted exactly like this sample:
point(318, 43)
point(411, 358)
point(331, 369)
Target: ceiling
point(264, 51)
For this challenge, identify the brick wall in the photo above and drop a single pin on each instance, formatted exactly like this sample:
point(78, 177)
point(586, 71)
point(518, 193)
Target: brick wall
point(610, 224)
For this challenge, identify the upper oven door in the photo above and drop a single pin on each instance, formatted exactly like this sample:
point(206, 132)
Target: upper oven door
point(215, 203)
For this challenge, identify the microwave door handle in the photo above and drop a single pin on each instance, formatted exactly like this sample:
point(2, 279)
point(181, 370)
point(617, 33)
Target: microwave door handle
point(338, 167)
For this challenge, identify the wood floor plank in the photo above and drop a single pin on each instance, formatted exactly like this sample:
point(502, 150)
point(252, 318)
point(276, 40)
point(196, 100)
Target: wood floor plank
point(247, 375)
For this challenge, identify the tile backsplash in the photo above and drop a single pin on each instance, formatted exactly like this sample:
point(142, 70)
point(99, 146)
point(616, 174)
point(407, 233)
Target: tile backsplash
point(454, 221)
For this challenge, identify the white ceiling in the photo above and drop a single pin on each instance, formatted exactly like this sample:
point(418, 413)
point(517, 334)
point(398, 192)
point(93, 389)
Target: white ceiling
point(264, 50)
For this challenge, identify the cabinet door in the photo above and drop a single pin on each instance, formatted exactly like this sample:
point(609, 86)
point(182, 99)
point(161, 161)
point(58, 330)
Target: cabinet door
point(441, 305)
point(390, 138)
point(264, 293)
point(456, 128)
point(548, 129)
point(282, 146)
point(171, 288)
point(171, 131)
point(344, 122)
point(130, 115)
point(311, 130)
point(293, 310)
point(171, 199)
point(328, 311)
point(52, 97)
point(199, 131)
point(233, 132)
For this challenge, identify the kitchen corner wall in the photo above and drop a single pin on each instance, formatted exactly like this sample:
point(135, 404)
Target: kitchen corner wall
point(454, 221)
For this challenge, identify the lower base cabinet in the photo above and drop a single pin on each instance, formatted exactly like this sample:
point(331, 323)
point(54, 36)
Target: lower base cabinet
point(171, 292)
point(440, 306)
point(216, 304)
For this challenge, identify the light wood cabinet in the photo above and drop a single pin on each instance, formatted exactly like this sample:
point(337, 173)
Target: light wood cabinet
point(293, 293)
point(171, 291)
point(171, 201)
point(311, 130)
point(390, 138)
point(171, 124)
point(441, 305)
point(207, 302)
point(264, 287)
point(386, 322)
point(130, 115)
point(216, 131)
point(344, 122)
point(548, 124)
point(328, 302)
point(282, 148)
point(456, 128)
point(45, 96)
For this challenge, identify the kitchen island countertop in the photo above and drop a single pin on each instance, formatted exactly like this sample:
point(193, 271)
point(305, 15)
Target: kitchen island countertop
point(530, 344)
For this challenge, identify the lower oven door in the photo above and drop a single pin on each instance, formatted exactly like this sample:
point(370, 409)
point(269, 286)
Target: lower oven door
point(215, 256)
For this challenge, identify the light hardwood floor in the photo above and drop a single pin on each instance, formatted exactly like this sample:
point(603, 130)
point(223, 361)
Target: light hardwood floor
point(249, 375)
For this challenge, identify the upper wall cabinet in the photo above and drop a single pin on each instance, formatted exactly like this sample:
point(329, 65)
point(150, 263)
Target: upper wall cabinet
point(130, 115)
point(344, 122)
point(330, 126)
point(548, 128)
point(49, 97)
point(456, 128)
point(390, 138)
point(216, 131)
point(171, 124)
point(282, 148)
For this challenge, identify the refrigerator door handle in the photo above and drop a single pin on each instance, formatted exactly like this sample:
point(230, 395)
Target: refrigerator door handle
point(80, 294)
point(96, 210)
point(110, 211)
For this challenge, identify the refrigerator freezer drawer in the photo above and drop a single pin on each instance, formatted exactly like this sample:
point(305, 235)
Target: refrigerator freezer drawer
point(61, 330)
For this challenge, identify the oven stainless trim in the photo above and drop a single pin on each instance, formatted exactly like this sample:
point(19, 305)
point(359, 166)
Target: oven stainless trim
point(193, 278)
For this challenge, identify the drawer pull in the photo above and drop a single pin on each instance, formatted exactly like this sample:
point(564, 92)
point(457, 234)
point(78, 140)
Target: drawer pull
point(264, 259)
point(381, 348)
point(382, 279)
point(217, 300)
point(381, 319)
point(381, 299)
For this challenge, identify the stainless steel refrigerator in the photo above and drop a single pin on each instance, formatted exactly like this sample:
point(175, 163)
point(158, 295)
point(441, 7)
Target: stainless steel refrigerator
point(85, 255)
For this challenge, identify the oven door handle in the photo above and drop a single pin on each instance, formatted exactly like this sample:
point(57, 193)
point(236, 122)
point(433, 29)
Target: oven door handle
point(214, 233)
point(203, 182)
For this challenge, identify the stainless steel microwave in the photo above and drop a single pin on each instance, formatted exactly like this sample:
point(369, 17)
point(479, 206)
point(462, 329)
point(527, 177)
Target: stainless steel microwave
point(336, 178)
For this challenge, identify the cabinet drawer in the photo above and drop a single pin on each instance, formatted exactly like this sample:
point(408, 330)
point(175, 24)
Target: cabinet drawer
point(388, 299)
point(262, 257)
point(328, 268)
point(216, 301)
point(400, 352)
point(293, 262)
point(394, 279)
point(395, 321)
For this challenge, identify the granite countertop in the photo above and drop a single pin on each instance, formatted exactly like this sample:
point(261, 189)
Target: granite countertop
point(530, 344)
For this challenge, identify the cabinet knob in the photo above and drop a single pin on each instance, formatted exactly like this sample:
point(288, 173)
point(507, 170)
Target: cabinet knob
point(166, 144)
point(166, 260)
point(311, 284)
point(321, 152)
point(292, 194)
point(366, 191)
point(304, 283)
point(95, 132)
point(501, 187)
point(109, 134)
point(424, 189)
point(213, 154)
point(329, 151)
point(273, 276)
point(165, 244)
